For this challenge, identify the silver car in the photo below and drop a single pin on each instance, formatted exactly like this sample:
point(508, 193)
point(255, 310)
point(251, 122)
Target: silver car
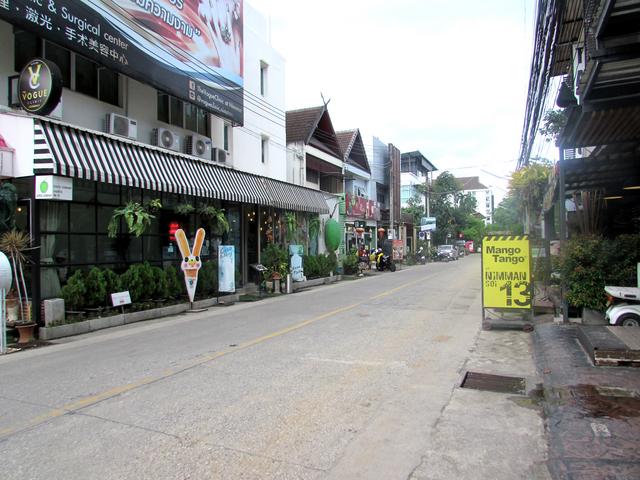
point(448, 251)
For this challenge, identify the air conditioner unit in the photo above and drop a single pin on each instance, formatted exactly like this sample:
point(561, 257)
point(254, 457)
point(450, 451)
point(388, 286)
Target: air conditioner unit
point(165, 138)
point(579, 62)
point(122, 126)
point(198, 145)
point(221, 156)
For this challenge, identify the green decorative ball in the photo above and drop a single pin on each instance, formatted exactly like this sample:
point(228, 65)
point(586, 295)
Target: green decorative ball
point(332, 234)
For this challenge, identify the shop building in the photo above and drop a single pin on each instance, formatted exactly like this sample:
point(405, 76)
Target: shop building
point(147, 111)
point(361, 211)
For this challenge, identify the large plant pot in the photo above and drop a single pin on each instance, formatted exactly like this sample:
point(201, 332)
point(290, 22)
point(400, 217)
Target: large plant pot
point(26, 333)
point(13, 311)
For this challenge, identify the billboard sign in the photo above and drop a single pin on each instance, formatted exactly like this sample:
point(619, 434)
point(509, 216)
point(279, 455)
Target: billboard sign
point(40, 86)
point(427, 224)
point(506, 272)
point(191, 49)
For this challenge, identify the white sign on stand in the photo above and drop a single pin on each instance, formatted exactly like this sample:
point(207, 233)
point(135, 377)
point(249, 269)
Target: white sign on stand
point(120, 299)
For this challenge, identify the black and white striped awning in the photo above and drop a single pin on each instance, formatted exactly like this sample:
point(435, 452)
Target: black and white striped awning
point(68, 151)
point(293, 197)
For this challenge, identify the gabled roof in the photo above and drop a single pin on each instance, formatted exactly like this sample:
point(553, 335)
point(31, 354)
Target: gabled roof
point(352, 147)
point(470, 183)
point(302, 123)
point(313, 124)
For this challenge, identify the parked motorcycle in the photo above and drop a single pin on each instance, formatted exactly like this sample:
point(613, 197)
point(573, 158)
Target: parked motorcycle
point(384, 262)
point(623, 306)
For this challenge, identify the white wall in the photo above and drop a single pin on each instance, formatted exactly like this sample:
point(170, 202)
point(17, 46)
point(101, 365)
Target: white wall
point(264, 116)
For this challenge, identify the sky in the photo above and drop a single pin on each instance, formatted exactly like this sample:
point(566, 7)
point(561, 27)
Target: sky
point(447, 78)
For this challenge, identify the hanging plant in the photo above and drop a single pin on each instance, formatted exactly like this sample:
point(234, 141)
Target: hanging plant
point(8, 205)
point(215, 219)
point(314, 226)
point(184, 209)
point(136, 216)
point(291, 225)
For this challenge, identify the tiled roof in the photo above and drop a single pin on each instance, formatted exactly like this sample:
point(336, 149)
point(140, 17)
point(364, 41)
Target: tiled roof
point(470, 183)
point(352, 147)
point(345, 140)
point(302, 123)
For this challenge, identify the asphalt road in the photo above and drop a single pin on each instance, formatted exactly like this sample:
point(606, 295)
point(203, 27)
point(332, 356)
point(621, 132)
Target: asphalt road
point(342, 381)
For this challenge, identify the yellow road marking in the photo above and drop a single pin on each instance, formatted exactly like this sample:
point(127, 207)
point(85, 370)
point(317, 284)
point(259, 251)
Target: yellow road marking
point(119, 390)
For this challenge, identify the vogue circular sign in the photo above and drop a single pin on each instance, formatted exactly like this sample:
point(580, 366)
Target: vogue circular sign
point(40, 86)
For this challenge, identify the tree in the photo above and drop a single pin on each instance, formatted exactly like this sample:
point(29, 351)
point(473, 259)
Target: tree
point(553, 123)
point(452, 208)
point(507, 217)
point(415, 209)
point(529, 185)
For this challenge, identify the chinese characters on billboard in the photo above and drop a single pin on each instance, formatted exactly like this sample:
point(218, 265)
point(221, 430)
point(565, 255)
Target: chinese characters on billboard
point(192, 49)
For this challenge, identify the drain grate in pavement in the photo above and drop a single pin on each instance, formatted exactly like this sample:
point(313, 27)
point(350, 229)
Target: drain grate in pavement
point(494, 383)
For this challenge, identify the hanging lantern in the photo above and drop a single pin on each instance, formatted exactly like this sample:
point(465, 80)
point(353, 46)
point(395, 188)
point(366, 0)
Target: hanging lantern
point(332, 235)
point(360, 231)
point(381, 232)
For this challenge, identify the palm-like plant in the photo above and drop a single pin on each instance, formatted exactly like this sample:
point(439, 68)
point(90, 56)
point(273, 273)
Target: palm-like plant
point(15, 244)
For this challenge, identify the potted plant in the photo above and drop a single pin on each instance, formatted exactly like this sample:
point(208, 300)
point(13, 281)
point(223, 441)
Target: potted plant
point(12, 307)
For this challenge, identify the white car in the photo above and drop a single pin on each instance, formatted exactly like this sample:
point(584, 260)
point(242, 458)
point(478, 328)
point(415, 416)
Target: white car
point(623, 306)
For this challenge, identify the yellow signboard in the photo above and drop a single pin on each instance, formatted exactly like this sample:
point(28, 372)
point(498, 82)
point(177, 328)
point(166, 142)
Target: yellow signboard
point(506, 272)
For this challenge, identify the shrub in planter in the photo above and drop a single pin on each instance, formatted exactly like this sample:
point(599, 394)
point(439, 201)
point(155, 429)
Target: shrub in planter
point(161, 285)
point(624, 256)
point(74, 291)
point(311, 266)
point(112, 284)
point(582, 268)
point(350, 262)
point(327, 264)
point(175, 285)
point(273, 256)
point(587, 264)
point(96, 288)
point(208, 278)
point(138, 280)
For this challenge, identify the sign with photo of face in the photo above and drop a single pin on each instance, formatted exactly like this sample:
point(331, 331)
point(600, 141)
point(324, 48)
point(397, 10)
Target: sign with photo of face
point(191, 49)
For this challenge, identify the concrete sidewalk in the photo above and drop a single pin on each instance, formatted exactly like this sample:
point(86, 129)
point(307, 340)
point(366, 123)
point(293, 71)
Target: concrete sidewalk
point(482, 434)
point(592, 413)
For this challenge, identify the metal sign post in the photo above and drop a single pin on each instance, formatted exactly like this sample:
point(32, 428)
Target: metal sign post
point(507, 289)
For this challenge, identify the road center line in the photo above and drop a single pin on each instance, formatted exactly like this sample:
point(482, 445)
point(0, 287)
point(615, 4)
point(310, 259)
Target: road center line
point(119, 390)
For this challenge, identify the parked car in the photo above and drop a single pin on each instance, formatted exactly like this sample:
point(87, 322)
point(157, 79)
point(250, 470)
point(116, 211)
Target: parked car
point(447, 252)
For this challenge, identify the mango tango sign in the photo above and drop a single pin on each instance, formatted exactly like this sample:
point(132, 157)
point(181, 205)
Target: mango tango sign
point(506, 272)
